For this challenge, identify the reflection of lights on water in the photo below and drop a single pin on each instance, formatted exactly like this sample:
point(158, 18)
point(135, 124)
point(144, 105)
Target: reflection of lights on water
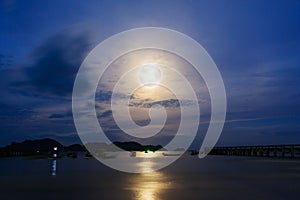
point(55, 150)
point(149, 186)
point(54, 168)
point(148, 154)
point(147, 163)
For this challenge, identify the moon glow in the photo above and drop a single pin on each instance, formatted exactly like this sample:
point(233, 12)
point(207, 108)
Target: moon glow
point(149, 74)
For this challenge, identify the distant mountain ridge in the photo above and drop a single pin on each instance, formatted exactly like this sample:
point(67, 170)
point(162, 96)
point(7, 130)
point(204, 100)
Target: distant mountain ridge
point(46, 144)
point(30, 147)
point(41, 144)
point(127, 146)
point(134, 146)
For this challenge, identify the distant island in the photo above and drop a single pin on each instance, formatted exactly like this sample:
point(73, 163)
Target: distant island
point(47, 146)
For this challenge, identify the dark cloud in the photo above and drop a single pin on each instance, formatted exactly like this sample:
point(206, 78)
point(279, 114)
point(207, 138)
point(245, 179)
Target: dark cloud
point(5, 61)
point(103, 96)
point(56, 116)
point(62, 115)
point(18, 114)
point(105, 114)
point(169, 103)
point(106, 95)
point(55, 64)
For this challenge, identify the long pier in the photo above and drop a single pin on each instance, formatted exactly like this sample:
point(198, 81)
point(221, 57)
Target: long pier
point(283, 150)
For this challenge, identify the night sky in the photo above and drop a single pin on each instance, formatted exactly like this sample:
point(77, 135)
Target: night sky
point(255, 44)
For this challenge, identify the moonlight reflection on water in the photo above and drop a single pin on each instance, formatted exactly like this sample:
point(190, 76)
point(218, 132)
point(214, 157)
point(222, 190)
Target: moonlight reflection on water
point(148, 186)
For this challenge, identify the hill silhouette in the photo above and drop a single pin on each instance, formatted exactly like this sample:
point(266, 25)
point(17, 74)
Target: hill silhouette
point(32, 147)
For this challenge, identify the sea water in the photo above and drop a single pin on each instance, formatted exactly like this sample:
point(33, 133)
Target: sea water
point(214, 177)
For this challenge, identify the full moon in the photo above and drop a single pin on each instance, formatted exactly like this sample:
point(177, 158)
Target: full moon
point(150, 74)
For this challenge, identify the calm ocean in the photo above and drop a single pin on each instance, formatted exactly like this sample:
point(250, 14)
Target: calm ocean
point(214, 177)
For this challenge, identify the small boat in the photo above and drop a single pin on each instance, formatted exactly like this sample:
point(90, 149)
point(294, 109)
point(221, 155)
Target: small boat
point(105, 155)
point(171, 154)
point(72, 155)
point(88, 155)
point(148, 151)
point(132, 154)
point(39, 155)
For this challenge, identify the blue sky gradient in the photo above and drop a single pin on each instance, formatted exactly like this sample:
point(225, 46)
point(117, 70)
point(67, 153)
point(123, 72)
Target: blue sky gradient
point(255, 44)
